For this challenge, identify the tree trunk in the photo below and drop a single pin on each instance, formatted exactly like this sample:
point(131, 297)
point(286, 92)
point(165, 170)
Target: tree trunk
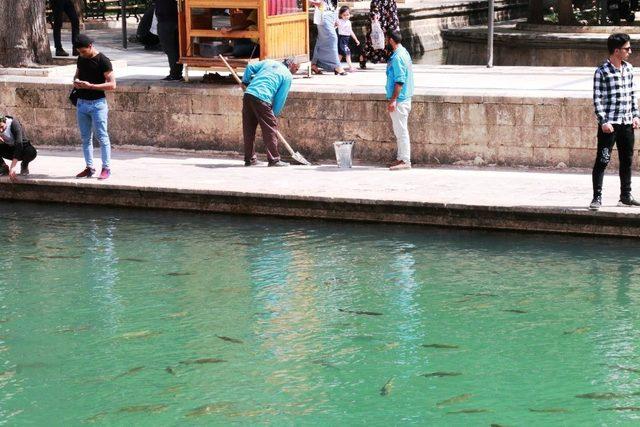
point(23, 39)
point(536, 14)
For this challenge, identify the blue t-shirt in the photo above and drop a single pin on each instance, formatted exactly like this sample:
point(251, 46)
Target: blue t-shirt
point(269, 81)
point(400, 70)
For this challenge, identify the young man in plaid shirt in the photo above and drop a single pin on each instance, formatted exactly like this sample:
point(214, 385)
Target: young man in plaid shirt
point(617, 113)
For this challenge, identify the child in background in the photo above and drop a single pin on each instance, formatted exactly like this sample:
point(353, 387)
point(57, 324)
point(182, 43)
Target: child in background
point(345, 33)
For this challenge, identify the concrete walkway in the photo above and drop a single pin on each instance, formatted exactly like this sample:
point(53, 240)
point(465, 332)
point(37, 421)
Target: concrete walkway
point(442, 80)
point(460, 197)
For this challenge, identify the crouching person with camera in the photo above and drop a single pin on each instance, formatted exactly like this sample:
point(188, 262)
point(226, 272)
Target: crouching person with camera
point(14, 146)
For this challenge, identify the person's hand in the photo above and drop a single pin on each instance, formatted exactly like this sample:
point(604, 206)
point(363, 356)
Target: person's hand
point(608, 128)
point(391, 107)
point(357, 42)
point(636, 122)
point(81, 84)
point(12, 175)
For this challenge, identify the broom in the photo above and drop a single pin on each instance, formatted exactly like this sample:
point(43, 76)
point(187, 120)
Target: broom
point(296, 155)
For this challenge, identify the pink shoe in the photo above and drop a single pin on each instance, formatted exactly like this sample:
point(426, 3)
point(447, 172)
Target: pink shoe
point(106, 173)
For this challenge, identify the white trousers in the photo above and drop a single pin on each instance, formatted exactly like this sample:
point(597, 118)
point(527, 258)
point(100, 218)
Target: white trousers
point(400, 120)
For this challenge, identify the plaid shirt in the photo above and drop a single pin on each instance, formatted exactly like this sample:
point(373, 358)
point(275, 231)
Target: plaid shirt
point(614, 97)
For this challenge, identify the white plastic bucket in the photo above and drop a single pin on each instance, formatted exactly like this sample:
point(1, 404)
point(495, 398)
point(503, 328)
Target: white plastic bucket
point(343, 153)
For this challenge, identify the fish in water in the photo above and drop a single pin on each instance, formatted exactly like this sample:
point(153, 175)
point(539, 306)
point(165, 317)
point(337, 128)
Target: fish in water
point(621, 408)
point(367, 313)
point(580, 330)
point(174, 389)
point(513, 310)
point(386, 388)
point(62, 256)
point(324, 363)
point(390, 345)
point(138, 334)
point(549, 410)
point(441, 374)
point(178, 273)
point(129, 372)
point(202, 361)
point(211, 408)
point(176, 315)
point(74, 329)
point(133, 259)
point(229, 339)
point(4, 320)
point(96, 417)
point(170, 370)
point(143, 408)
point(440, 346)
point(481, 294)
point(468, 411)
point(454, 400)
point(607, 396)
point(30, 258)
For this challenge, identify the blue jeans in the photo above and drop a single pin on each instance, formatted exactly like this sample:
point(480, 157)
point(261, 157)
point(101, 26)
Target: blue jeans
point(92, 119)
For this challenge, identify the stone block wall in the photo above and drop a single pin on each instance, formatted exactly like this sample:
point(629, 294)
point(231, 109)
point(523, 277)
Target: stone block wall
point(522, 48)
point(444, 129)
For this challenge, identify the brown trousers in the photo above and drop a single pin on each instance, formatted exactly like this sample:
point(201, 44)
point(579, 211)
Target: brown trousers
point(256, 112)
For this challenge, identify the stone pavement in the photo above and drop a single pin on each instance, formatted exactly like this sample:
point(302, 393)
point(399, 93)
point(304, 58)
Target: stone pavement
point(441, 80)
point(534, 200)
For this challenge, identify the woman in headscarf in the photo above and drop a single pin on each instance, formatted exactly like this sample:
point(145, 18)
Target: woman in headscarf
point(386, 12)
point(325, 54)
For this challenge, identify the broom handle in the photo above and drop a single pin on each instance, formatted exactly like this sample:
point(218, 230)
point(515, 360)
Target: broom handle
point(235, 76)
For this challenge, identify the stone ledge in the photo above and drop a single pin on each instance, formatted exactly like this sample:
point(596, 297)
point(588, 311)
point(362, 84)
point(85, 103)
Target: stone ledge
point(522, 218)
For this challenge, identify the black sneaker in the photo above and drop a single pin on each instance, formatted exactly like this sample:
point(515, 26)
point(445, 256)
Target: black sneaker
point(75, 52)
point(24, 168)
point(628, 201)
point(278, 164)
point(4, 169)
point(252, 162)
point(61, 52)
point(171, 78)
point(596, 203)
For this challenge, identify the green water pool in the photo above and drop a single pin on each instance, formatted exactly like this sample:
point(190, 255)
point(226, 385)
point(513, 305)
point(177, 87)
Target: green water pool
point(116, 317)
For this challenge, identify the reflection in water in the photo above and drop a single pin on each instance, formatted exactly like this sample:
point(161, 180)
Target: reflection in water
point(315, 319)
point(431, 57)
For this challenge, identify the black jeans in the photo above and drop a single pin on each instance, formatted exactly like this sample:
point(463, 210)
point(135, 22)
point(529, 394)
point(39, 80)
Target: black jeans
point(60, 8)
point(168, 33)
point(8, 151)
point(622, 137)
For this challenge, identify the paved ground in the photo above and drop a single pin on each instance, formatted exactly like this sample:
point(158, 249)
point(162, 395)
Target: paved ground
point(450, 185)
point(456, 197)
point(552, 82)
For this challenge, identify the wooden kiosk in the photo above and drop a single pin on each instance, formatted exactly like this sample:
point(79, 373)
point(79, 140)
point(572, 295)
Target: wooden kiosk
point(282, 29)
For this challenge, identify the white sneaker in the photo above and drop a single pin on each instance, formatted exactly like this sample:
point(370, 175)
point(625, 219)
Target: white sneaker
point(400, 165)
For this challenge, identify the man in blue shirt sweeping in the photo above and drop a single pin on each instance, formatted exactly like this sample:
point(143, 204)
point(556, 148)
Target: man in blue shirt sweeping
point(399, 92)
point(268, 83)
